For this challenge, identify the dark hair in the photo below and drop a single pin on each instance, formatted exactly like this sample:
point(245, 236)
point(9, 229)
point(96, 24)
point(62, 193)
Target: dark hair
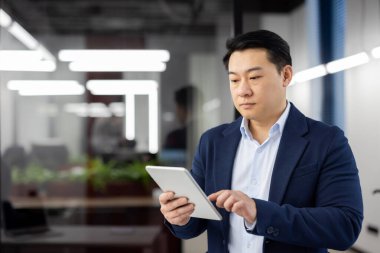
point(277, 48)
point(186, 97)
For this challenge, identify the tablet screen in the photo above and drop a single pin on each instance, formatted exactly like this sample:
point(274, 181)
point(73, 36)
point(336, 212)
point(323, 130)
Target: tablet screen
point(180, 181)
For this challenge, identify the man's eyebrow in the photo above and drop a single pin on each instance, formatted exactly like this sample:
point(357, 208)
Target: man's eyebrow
point(247, 71)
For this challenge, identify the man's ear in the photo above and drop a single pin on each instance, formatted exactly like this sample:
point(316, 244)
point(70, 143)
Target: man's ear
point(287, 75)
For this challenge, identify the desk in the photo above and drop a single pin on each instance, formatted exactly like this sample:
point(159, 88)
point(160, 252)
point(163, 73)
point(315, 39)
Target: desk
point(127, 238)
point(106, 211)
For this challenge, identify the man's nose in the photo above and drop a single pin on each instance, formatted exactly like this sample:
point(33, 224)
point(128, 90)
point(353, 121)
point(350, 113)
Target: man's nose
point(244, 88)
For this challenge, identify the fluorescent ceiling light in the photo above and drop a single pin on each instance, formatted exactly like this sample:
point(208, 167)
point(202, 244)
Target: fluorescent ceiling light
point(112, 55)
point(376, 52)
point(23, 36)
point(117, 60)
point(311, 73)
point(46, 87)
point(122, 87)
point(153, 123)
point(114, 66)
point(95, 110)
point(20, 55)
point(5, 19)
point(41, 66)
point(25, 60)
point(130, 117)
point(347, 62)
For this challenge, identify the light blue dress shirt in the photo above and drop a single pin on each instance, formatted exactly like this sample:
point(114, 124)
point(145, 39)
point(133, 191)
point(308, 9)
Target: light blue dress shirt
point(252, 175)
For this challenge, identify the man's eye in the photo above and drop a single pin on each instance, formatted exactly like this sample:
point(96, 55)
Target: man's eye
point(234, 81)
point(254, 77)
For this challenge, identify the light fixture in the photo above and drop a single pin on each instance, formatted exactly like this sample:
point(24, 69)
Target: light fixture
point(46, 87)
point(309, 74)
point(95, 110)
point(131, 88)
point(20, 55)
point(347, 62)
point(38, 59)
point(113, 55)
point(122, 87)
point(27, 60)
point(12, 64)
point(118, 60)
point(5, 19)
point(114, 66)
point(23, 36)
point(130, 116)
point(376, 52)
point(153, 122)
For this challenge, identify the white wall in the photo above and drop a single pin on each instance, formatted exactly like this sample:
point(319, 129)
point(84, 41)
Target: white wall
point(293, 28)
point(363, 111)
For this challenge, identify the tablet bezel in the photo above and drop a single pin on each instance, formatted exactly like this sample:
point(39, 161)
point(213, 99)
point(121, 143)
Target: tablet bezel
point(183, 184)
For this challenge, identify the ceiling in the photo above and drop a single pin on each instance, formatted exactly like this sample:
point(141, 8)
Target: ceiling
point(131, 16)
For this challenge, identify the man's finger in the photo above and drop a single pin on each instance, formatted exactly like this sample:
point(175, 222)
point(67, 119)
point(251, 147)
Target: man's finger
point(173, 204)
point(180, 212)
point(165, 197)
point(215, 195)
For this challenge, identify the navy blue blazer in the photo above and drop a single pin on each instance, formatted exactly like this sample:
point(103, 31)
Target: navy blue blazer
point(315, 198)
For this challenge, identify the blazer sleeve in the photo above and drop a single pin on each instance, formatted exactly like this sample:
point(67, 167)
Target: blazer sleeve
point(335, 219)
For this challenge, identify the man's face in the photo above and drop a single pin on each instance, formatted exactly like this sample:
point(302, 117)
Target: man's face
point(258, 90)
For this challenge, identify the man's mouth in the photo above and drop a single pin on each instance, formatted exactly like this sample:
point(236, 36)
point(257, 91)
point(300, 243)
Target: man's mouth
point(247, 105)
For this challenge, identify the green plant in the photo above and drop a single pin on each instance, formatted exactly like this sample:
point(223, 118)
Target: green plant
point(103, 173)
point(36, 174)
point(33, 173)
point(99, 173)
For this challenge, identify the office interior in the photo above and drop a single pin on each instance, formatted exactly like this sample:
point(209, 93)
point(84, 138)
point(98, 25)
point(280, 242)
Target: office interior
point(87, 95)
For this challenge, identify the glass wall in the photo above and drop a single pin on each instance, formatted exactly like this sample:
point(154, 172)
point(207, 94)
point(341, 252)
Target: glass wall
point(91, 92)
point(90, 85)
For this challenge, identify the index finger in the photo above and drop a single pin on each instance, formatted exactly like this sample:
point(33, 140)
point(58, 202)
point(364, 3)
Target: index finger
point(165, 197)
point(215, 195)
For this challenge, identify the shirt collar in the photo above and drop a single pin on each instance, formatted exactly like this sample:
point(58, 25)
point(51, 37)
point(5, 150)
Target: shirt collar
point(278, 126)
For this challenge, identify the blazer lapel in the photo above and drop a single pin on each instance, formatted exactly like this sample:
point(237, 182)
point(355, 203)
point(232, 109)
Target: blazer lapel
point(291, 147)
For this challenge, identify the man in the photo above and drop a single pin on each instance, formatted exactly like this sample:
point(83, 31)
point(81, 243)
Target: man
point(283, 182)
point(185, 101)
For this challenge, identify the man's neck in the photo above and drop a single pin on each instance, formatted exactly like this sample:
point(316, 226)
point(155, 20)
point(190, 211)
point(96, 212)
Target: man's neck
point(260, 128)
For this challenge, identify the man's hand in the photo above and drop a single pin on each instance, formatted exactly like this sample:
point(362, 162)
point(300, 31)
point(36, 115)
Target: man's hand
point(176, 211)
point(236, 202)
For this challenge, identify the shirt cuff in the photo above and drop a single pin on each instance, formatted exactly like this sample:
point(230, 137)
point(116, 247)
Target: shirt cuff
point(248, 226)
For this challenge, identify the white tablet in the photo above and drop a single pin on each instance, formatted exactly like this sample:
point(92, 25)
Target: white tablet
point(180, 181)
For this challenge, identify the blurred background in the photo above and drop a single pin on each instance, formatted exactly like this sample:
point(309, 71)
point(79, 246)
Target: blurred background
point(91, 91)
